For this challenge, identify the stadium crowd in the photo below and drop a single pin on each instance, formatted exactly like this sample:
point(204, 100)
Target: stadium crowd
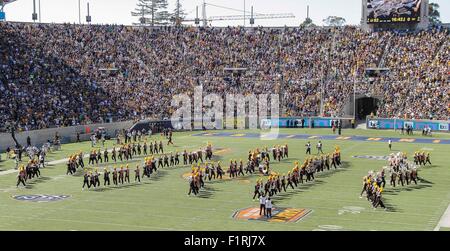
point(63, 74)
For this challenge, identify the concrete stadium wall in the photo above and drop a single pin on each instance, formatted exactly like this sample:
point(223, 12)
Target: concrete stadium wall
point(285, 122)
point(67, 134)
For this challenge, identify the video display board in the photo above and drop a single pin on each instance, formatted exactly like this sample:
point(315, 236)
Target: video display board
point(393, 11)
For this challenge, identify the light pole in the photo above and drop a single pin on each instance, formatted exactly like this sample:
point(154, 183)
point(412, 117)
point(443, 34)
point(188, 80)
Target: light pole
point(34, 15)
point(354, 99)
point(88, 17)
point(79, 11)
point(244, 13)
point(321, 98)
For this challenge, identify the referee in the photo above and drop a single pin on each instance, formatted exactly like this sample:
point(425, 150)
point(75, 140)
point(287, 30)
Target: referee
point(308, 148)
point(269, 208)
point(319, 147)
point(262, 204)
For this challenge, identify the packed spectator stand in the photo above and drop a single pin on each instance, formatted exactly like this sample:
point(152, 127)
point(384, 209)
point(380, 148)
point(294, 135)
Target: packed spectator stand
point(64, 74)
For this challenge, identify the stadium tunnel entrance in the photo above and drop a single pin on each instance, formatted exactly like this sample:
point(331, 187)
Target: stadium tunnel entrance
point(365, 106)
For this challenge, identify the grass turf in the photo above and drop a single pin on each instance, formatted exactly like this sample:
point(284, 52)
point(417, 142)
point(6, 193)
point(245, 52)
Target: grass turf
point(161, 203)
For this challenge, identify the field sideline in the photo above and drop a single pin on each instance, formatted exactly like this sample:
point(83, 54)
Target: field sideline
point(161, 203)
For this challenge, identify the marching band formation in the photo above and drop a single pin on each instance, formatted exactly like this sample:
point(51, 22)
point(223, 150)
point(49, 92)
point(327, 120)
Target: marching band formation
point(32, 168)
point(256, 159)
point(277, 183)
point(28, 172)
point(401, 172)
point(122, 175)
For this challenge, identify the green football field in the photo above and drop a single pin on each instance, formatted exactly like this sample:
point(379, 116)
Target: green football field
point(161, 202)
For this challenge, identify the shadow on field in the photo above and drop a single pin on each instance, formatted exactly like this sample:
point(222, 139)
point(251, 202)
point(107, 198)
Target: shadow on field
point(78, 173)
point(159, 175)
point(144, 181)
point(300, 189)
point(216, 158)
point(407, 188)
point(422, 183)
point(427, 167)
point(239, 178)
point(307, 185)
point(390, 207)
point(274, 161)
point(113, 187)
point(206, 192)
point(326, 173)
point(118, 163)
point(36, 181)
point(29, 186)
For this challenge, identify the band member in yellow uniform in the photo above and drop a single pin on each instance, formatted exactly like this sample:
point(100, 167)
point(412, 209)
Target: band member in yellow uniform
point(137, 174)
point(106, 177)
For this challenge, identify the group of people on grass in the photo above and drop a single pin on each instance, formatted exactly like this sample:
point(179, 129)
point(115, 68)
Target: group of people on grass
point(277, 183)
point(402, 172)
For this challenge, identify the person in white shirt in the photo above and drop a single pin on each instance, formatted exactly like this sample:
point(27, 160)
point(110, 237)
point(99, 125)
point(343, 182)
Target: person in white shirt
point(268, 208)
point(93, 140)
point(262, 204)
point(308, 148)
point(319, 147)
point(390, 145)
point(17, 161)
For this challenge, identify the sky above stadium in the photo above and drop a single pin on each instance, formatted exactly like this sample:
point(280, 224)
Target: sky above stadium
point(119, 11)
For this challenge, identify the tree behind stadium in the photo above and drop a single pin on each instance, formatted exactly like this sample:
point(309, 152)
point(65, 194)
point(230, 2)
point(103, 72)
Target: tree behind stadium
point(155, 9)
point(334, 21)
point(178, 13)
point(307, 23)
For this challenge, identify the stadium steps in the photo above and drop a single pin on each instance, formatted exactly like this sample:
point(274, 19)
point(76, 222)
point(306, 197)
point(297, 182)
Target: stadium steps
point(382, 60)
point(441, 48)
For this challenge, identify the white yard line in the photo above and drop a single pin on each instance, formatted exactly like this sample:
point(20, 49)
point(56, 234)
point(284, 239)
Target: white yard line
point(445, 220)
point(55, 162)
point(8, 172)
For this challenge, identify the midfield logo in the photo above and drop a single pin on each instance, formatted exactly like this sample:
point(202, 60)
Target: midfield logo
point(278, 214)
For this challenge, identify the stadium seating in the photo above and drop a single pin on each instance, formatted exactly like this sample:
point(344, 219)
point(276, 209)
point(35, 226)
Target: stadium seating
point(63, 74)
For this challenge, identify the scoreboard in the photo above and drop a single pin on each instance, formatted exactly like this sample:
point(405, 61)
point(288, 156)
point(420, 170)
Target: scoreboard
point(393, 11)
point(7, 1)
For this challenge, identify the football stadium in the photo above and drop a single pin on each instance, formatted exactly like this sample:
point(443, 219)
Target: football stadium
point(177, 123)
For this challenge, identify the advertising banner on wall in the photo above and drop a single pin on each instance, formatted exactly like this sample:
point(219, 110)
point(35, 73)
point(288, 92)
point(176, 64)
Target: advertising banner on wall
point(443, 127)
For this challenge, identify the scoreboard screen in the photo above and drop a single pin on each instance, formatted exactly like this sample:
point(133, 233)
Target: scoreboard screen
point(5, 2)
point(393, 11)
